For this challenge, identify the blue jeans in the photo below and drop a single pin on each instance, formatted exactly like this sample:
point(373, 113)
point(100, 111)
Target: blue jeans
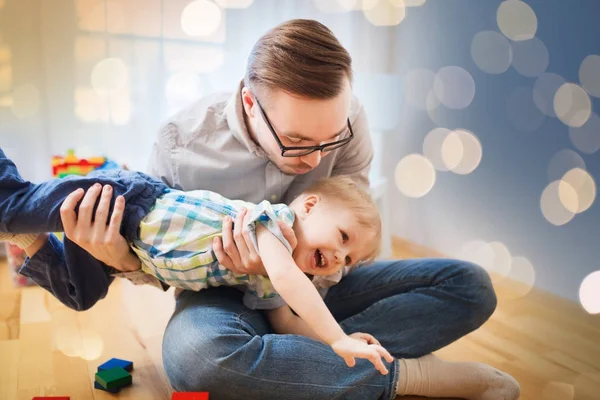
point(413, 307)
point(67, 271)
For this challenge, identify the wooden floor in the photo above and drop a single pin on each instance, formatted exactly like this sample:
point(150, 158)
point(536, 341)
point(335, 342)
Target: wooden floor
point(550, 345)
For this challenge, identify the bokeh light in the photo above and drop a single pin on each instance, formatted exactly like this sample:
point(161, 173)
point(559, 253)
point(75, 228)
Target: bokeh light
point(108, 75)
point(197, 58)
point(68, 340)
point(516, 20)
point(589, 75)
point(491, 52)
point(461, 151)
point(544, 90)
point(454, 87)
point(182, 89)
point(414, 175)
point(589, 293)
point(530, 57)
point(417, 86)
point(90, 107)
point(552, 208)
point(120, 107)
point(577, 190)
point(522, 110)
point(494, 257)
point(201, 18)
point(562, 162)
point(92, 345)
point(337, 6)
point(523, 272)
point(558, 391)
point(432, 104)
point(25, 101)
point(386, 13)
point(432, 147)
point(586, 138)
point(572, 105)
point(234, 3)
point(502, 259)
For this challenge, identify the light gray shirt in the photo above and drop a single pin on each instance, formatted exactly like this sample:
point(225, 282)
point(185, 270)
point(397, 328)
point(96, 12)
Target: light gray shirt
point(207, 146)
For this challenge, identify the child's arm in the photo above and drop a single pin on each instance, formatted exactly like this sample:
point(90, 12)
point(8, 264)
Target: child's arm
point(301, 295)
point(295, 287)
point(284, 321)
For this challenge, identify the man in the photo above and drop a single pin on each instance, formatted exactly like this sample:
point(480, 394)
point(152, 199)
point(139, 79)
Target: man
point(292, 120)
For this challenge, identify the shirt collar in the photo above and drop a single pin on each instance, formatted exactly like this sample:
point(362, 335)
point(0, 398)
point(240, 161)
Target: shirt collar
point(234, 111)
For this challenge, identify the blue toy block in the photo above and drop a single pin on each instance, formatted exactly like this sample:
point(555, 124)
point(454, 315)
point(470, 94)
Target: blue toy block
point(116, 362)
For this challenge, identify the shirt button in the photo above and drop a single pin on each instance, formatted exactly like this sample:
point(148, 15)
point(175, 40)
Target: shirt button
point(273, 198)
point(169, 264)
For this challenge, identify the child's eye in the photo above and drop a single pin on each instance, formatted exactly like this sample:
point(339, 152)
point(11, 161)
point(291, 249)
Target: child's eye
point(348, 260)
point(344, 236)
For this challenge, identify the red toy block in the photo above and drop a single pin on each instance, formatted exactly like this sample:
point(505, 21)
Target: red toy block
point(190, 396)
point(52, 398)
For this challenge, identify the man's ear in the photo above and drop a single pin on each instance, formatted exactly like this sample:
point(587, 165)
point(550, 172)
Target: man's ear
point(248, 102)
point(309, 202)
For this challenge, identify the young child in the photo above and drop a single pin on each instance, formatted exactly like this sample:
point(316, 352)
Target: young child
point(171, 231)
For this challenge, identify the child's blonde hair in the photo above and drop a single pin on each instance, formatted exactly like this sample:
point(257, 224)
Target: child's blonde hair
point(343, 189)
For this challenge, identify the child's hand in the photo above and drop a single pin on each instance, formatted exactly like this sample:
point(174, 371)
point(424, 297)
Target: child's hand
point(349, 347)
point(368, 339)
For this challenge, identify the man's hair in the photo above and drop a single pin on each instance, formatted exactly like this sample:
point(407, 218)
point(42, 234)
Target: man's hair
point(301, 57)
point(345, 191)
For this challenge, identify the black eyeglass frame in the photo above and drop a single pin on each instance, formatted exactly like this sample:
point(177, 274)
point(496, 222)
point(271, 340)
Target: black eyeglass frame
point(309, 149)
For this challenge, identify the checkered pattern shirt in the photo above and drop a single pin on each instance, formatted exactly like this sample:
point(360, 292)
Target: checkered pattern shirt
point(175, 243)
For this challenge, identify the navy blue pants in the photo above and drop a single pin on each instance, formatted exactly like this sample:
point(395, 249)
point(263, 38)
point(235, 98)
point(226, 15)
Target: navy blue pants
point(70, 273)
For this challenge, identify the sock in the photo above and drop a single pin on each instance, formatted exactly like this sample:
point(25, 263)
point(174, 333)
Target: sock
point(430, 376)
point(23, 240)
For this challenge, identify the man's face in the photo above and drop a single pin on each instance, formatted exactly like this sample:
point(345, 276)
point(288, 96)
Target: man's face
point(297, 122)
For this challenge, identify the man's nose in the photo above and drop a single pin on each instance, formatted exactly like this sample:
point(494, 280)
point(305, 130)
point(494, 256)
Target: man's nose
point(313, 159)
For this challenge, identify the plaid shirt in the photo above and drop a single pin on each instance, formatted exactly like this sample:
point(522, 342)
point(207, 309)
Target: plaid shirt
point(175, 243)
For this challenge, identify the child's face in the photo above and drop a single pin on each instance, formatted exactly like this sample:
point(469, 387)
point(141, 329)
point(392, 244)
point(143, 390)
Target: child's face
point(329, 236)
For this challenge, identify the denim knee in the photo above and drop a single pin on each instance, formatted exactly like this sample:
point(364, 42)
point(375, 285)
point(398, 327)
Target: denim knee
point(480, 292)
point(186, 358)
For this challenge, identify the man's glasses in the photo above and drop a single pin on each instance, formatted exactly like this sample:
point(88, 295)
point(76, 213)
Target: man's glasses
point(299, 151)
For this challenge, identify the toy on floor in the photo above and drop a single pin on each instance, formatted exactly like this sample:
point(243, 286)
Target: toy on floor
point(52, 398)
point(113, 375)
point(189, 396)
point(116, 362)
point(112, 380)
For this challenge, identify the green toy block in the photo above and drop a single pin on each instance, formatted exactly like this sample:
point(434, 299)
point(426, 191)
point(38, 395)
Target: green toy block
point(113, 378)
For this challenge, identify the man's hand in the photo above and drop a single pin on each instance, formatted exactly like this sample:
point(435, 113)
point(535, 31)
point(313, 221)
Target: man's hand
point(237, 253)
point(103, 242)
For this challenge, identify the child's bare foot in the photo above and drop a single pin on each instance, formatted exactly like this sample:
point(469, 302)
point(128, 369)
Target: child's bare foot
point(432, 377)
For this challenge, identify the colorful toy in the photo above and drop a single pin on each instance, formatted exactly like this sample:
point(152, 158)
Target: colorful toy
point(71, 165)
point(189, 396)
point(114, 378)
point(116, 362)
